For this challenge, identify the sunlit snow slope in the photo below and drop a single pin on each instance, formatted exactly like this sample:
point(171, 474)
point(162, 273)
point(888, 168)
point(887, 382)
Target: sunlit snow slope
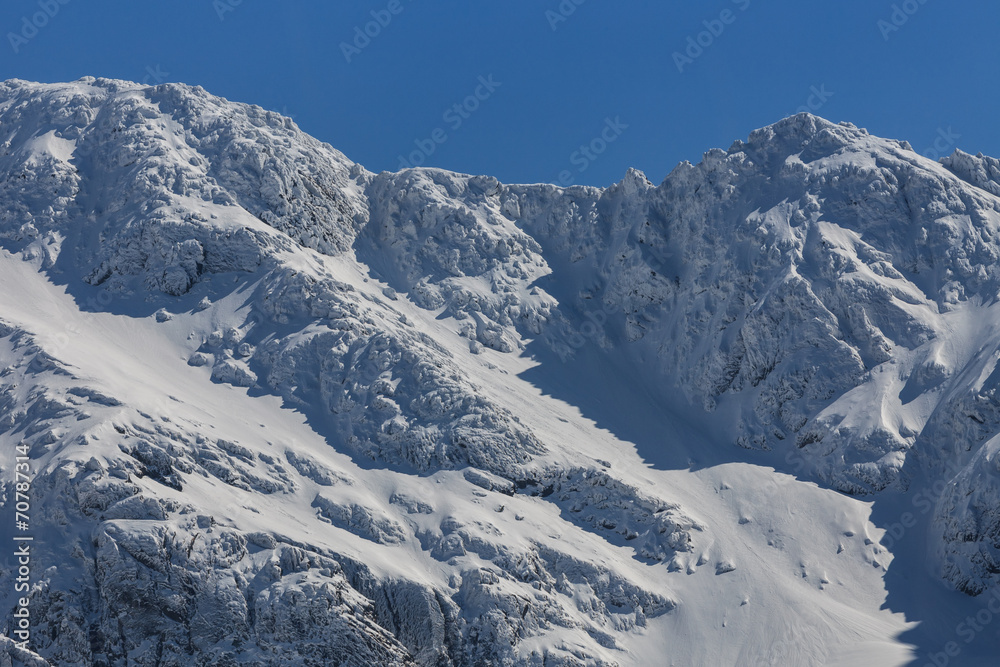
point(284, 411)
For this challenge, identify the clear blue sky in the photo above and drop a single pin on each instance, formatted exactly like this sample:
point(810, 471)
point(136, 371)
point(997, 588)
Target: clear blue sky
point(559, 80)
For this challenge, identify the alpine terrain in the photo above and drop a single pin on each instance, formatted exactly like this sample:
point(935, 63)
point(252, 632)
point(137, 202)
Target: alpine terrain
point(261, 406)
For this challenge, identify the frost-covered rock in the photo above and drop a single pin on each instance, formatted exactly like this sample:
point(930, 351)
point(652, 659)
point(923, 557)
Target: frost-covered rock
point(778, 275)
point(391, 393)
point(284, 410)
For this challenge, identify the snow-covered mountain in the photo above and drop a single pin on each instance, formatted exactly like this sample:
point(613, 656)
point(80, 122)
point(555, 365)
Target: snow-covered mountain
point(280, 410)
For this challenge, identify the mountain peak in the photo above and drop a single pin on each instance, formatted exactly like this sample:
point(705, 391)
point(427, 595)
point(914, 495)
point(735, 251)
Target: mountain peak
point(429, 418)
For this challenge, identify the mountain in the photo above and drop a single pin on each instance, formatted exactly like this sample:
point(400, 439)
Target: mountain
point(270, 408)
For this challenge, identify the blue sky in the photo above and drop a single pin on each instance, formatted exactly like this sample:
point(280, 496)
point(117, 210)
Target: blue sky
point(535, 82)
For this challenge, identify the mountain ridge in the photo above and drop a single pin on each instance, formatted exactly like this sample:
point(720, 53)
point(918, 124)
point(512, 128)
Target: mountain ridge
point(231, 316)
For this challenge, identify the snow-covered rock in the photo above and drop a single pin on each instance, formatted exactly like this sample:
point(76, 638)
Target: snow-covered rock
point(282, 410)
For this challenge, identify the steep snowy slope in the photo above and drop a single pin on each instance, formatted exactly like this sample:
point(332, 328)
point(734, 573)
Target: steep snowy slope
point(282, 410)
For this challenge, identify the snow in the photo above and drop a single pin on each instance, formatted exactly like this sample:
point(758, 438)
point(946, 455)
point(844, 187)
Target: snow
point(55, 146)
point(429, 418)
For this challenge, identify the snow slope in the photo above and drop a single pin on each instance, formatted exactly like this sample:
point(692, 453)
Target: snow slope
point(282, 410)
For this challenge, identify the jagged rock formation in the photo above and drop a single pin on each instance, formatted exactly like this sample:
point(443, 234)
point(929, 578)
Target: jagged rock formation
point(275, 408)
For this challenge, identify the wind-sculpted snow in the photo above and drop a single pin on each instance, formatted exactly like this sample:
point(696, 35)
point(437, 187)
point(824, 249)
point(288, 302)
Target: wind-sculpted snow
point(809, 242)
point(597, 501)
point(448, 242)
point(282, 410)
point(979, 170)
point(278, 174)
point(391, 393)
point(141, 572)
point(961, 439)
point(148, 169)
point(284, 606)
point(968, 522)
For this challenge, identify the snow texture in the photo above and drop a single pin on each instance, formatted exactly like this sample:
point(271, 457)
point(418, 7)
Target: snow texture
point(284, 411)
